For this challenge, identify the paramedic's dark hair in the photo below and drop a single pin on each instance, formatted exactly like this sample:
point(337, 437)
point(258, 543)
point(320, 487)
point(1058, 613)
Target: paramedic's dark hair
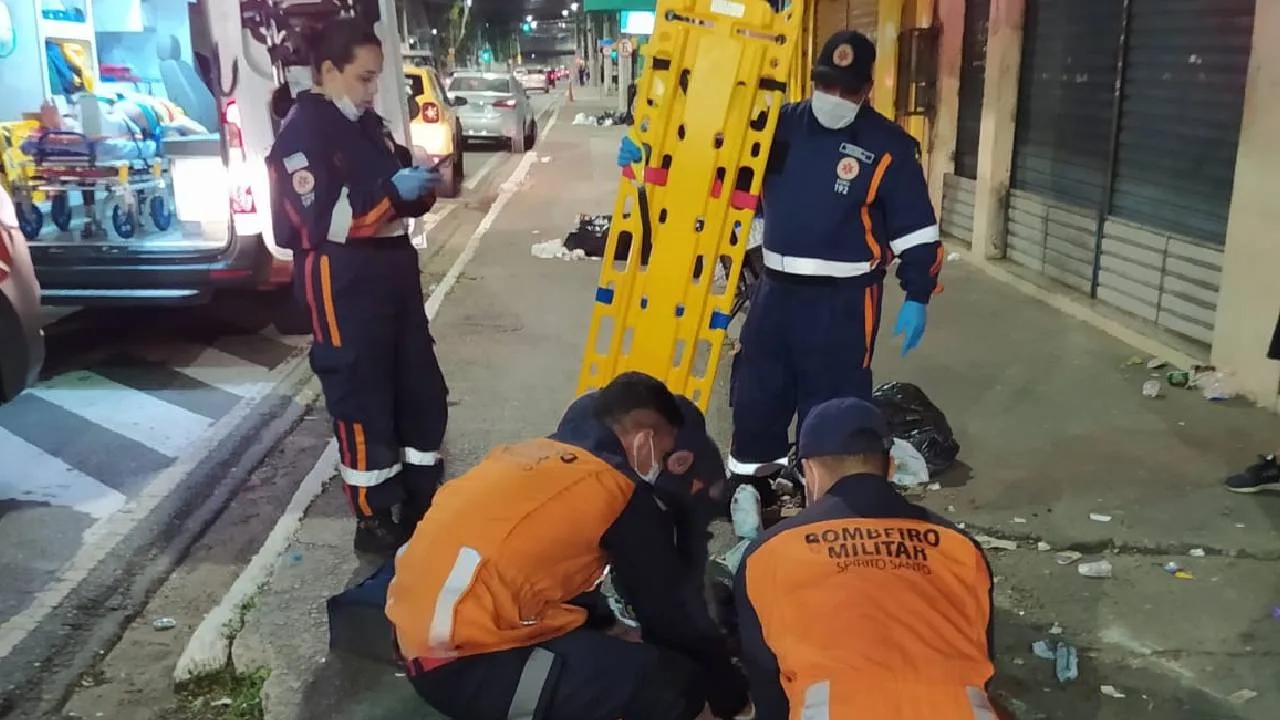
point(632, 391)
point(337, 41)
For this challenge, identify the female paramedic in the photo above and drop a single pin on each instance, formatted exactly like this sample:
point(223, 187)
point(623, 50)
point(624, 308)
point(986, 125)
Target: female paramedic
point(341, 193)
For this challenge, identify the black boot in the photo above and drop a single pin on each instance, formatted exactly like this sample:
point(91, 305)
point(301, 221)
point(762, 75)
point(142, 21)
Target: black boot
point(420, 485)
point(379, 534)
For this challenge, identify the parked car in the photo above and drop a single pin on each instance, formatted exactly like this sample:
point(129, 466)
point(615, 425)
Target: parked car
point(434, 127)
point(497, 108)
point(533, 78)
point(21, 339)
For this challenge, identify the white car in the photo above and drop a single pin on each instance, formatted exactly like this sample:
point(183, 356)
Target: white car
point(497, 108)
point(533, 78)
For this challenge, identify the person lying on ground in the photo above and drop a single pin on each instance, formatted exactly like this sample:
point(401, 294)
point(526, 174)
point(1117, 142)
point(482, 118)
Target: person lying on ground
point(863, 604)
point(494, 599)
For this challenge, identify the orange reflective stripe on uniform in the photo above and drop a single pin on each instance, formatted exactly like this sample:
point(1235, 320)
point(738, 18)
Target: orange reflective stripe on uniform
point(473, 582)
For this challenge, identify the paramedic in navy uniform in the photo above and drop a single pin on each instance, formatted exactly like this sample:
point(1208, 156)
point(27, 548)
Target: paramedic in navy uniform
point(341, 193)
point(844, 195)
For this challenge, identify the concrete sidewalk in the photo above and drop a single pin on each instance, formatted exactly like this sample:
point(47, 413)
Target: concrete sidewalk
point(1053, 427)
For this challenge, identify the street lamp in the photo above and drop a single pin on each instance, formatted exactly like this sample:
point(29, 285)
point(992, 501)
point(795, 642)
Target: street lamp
point(564, 13)
point(573, 6)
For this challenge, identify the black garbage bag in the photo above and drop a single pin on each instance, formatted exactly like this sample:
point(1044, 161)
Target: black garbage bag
point(914, 418)
point(593, 232)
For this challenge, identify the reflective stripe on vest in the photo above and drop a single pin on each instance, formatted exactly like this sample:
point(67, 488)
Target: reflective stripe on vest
point(440, 634)
point(817, 702)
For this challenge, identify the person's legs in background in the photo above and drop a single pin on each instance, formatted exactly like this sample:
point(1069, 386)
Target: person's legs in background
point(584, 675)
point(764, 392)
point(1264, 474)
point(421, 399)
point(353, 355)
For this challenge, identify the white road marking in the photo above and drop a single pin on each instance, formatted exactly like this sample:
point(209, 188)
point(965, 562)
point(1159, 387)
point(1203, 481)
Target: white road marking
point(219, 369)
point(210, 644)
point(103, 537)
point(431, 220)
point(133, 413)
point(45, 478)
point(485, 169)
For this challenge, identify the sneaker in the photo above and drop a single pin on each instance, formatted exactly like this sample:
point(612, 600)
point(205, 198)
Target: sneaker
point(379, 535)
point(1262, 475)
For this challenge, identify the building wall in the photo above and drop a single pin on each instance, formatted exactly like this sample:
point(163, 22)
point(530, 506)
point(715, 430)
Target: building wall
point(1222, 301)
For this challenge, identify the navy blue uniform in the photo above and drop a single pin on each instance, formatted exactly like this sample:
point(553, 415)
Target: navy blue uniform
point(334, 205)
point(839, 206)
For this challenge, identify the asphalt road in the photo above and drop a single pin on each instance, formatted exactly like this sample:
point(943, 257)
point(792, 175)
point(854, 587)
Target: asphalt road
point(132, 402)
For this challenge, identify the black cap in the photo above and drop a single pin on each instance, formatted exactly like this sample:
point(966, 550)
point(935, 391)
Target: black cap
point(844, 426)
point(708, 465)
point(846, 61)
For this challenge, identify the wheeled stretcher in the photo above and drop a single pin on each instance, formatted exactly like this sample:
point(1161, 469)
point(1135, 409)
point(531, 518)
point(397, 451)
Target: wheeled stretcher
point(130, 174)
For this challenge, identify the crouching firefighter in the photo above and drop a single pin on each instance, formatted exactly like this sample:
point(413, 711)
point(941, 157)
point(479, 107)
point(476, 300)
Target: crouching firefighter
point(341, 191)
point(495, 599)
point(863, 605)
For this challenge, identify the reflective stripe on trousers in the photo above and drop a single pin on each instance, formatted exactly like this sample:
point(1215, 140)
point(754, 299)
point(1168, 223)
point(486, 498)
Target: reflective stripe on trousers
point(738, 467)
point(533, 679)
point(817, 703)
point(370, 478)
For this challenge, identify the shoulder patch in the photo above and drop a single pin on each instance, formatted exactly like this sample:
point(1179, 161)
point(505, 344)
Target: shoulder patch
point(295, 162)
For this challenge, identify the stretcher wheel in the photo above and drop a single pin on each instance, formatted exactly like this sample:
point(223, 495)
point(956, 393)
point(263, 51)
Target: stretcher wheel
point(60, 211)
point(161, 215)
point(30, 220)
point(124, 221)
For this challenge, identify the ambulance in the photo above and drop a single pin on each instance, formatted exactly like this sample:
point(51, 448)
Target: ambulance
point(220, 238)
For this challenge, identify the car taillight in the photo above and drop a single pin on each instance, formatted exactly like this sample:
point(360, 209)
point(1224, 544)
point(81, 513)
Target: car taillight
point(231, 121)
point(242, 202)
point(505, 103)
point(431, 112)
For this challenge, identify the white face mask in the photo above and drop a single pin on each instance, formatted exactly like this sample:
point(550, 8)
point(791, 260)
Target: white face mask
point(650, 476)
point(832, 111)
point(348, 108)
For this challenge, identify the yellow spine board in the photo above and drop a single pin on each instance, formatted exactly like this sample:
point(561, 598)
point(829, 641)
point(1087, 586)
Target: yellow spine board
point(715, 77)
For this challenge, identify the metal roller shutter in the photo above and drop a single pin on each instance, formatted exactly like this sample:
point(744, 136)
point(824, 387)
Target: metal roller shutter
point(1063, 130)
point(863, 17)
point(1062, 136)
point(973, 76)
point(1183, 98)
point(831, 16)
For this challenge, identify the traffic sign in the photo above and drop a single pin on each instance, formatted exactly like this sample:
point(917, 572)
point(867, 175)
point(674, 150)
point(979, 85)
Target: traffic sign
point(624, 46)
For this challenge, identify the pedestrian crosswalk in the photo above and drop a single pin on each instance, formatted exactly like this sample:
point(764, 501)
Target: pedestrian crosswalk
point(86, 439)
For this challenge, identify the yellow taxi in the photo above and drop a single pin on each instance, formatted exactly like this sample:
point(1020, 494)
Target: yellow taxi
point(434, 130)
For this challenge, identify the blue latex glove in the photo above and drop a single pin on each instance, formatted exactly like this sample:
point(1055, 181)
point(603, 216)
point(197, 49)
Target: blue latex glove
point(413, 182)
point(911, 320)
point(629, 153)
